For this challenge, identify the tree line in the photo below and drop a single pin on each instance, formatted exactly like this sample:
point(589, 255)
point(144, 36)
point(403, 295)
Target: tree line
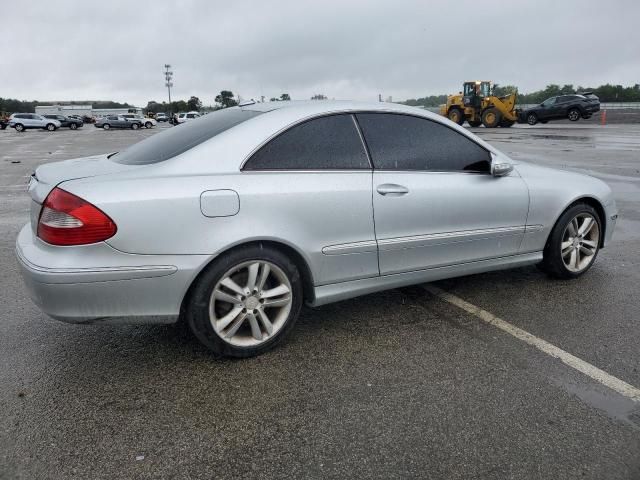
point(606, 93)
point(225, 99)
point(12, 105)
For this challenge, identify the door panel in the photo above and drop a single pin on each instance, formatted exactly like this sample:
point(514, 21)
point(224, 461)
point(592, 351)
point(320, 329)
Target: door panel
point(447, 218)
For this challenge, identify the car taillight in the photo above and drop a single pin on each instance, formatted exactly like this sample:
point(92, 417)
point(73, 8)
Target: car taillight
point(66, 219)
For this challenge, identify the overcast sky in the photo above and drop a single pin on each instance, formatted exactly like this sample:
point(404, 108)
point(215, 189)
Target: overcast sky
point(116, 49)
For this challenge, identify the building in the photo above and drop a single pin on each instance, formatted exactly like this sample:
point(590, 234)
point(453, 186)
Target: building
point(84, 110)
point(64, 109)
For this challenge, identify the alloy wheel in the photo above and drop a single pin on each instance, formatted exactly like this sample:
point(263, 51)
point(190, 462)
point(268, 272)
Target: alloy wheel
point(580, 242)
point(250, 303)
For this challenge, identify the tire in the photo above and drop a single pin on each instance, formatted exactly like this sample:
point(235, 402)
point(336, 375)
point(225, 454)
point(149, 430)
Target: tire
point(106, 126)
point(567, 255)
point(135, 126)
point(474, 123)
point(532, 119)
point(19, 127)
point(244, 335)
point(456, 115)
point(574, 114)
point(73, 126)
point(50, 127)
point(491, 117)
point(148, 125)
point(506, 123)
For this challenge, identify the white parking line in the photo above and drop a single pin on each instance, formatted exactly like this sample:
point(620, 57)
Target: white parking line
point(620, 386)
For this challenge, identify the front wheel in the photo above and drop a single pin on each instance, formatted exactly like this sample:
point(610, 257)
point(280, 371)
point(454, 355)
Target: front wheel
point(19, 127)
point(574, 243)
point(246, 302)
point(491, 118)
point(106, 126)
point(50, 127)
point(456, 115)
point(73, 126)
point(532, 119)
point(573, 115)
point(135, 126)
point(148, 125)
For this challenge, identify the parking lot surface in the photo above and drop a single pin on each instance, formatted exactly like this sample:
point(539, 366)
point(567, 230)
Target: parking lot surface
point(400, 384)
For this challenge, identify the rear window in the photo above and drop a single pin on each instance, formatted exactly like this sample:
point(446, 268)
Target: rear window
point(179, 139)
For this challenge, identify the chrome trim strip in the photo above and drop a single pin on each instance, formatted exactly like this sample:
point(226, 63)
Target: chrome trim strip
point(533, 228)
point(89, 275)
point(401, 243)
point(366, 246)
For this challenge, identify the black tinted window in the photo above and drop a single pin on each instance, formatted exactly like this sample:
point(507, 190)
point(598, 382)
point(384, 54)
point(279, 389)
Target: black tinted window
point(174, 141)
point(404, 142)
point(326, 143)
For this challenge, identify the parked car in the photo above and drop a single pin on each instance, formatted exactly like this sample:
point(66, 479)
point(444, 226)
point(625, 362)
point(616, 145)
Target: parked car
point(116, 121)
point(144, 121)
point(285, 215)
point(572, 107)
point(4, 122)
point(185, 117)
point(162, 117)
point(23, 121)
point(71, 122)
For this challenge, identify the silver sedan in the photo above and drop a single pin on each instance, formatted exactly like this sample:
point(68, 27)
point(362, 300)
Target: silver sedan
point(233, 220)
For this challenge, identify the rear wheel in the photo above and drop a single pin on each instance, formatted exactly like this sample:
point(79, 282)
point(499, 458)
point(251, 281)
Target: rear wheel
point(474, 123)
point(19, 127)
point(246, 302)
point(73, 126)
point(456, 115)
point(106, 126)
point(532, 119)
point(574, 243)
point(573, 115)
point(491, 118)
point(148, 125)
point(135, 126)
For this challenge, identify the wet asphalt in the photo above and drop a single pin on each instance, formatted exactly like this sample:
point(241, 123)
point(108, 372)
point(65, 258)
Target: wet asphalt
point(393, 385)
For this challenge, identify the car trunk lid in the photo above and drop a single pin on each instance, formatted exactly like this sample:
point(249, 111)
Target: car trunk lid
point(47, 176)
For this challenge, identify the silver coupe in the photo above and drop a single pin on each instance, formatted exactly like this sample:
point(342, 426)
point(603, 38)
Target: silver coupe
point(233, 220)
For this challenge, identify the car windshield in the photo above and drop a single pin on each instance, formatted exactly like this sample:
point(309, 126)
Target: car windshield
point(179, 139)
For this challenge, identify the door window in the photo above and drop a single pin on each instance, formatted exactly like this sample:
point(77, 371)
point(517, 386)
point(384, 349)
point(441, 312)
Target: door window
point(325, 143)
point(405, 142)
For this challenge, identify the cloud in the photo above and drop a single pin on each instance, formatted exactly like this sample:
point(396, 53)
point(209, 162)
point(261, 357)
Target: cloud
point(65, 50)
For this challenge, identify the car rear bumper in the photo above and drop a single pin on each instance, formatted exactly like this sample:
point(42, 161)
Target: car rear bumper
point(98, 284)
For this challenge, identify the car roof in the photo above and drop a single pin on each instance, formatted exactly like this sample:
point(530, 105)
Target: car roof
point(312, 107)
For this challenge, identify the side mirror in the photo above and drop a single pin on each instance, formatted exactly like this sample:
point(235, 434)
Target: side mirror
point(501, 169)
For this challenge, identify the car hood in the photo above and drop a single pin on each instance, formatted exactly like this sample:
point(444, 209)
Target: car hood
point(47, 176)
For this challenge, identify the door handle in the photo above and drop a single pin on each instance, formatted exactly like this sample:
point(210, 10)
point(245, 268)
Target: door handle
point(392, 190)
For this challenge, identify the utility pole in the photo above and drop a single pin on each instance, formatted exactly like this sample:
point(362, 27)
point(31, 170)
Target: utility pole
point(168, 75)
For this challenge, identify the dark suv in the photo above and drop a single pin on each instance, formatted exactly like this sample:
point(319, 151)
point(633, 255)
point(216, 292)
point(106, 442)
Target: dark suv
point(70, 122)
point(573, 107)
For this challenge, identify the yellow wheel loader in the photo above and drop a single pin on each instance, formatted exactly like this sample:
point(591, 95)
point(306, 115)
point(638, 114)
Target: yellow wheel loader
point(477, 105)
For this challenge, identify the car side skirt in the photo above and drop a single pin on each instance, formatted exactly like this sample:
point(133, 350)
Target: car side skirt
point(336, 292)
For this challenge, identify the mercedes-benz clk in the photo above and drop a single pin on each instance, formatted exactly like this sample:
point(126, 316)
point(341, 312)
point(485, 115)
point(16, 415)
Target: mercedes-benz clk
point(234, 220)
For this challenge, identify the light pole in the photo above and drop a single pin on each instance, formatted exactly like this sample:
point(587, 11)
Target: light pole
point(168, 75)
